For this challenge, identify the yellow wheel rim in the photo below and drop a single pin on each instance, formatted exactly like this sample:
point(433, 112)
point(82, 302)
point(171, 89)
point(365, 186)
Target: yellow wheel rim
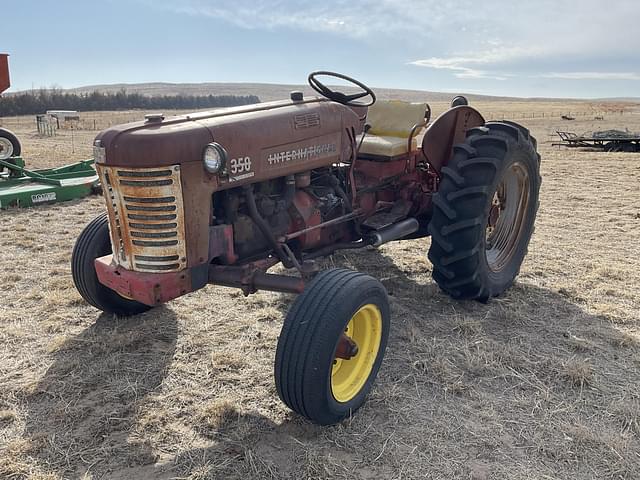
point(349, 376)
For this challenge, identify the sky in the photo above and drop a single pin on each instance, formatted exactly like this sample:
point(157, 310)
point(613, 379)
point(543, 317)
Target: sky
point(535, 48)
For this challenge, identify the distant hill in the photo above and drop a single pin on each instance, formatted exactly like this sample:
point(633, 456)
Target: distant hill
point(268, 91)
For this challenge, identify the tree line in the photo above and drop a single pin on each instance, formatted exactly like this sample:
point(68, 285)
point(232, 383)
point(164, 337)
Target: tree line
point(35, 102)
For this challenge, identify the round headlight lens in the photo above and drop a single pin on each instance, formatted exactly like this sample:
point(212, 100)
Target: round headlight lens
point(214, 157)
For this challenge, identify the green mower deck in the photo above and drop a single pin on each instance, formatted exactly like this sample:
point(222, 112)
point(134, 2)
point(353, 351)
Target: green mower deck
point(20, 187)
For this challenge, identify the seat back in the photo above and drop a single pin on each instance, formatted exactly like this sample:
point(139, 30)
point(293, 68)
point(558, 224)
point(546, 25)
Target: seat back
point(395, 118)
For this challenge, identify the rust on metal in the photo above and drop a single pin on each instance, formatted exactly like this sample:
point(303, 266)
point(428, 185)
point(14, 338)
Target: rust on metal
point(251, 279)
point(446, 131)
point(221, 244)
point(343, 218)
point(148, 288)
point(346, 348)
point(146, 217)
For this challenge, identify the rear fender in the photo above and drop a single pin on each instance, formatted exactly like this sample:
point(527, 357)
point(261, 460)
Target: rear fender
point(447, 130)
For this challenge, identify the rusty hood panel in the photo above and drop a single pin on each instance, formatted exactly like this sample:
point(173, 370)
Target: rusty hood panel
point(255, 131)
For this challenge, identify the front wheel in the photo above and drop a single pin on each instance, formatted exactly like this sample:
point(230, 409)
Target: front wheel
point(332, 344)
point(94, 242)
point(484, 211)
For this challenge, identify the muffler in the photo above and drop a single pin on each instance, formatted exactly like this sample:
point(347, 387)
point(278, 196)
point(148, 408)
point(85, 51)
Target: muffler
point(395, 231)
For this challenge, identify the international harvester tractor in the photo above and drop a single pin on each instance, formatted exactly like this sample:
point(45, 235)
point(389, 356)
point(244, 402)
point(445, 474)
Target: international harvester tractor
point(222, 196)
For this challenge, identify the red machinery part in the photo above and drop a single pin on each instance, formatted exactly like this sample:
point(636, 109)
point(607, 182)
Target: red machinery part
point(157, 288)
point(5, 83)
point(148, 288)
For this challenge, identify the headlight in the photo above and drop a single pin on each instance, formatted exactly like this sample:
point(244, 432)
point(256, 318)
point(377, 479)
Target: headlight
point(215, 157)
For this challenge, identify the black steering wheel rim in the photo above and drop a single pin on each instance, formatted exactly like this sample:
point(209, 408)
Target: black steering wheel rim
point(348, 100)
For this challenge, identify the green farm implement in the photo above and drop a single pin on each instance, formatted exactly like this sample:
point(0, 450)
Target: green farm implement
point(20, 187)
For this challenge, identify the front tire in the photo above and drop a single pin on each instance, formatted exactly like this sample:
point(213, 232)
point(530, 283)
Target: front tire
point(484, 211)
point(313, 375)
point(94, 242)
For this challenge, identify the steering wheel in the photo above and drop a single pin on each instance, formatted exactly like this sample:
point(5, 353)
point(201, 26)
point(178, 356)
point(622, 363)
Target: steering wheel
point(343, 98)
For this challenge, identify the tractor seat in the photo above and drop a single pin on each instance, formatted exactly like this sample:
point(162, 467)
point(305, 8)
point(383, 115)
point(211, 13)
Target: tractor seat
point(392, 123)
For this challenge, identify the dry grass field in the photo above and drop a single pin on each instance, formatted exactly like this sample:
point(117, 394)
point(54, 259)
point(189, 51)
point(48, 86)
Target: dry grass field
point(542, 383)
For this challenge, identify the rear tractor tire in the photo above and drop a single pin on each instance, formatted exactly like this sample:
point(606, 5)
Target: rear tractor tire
point(484, 211)
point(332, 344)
point(9, 145)
point(95, 242)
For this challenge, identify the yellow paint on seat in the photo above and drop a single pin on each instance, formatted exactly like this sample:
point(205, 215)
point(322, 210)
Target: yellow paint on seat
point(386, 146)
point(391, 124)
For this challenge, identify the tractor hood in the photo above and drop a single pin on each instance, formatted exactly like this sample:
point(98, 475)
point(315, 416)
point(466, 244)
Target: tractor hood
point(254, 131)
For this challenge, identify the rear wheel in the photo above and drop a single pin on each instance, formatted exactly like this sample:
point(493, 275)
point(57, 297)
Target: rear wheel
point(484, 211)
point(332, 344)
point(94, 242)
point(9, 145)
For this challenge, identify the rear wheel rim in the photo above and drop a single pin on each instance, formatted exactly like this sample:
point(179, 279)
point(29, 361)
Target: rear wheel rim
point(348, 377)
point(6, 148)
point(507, 217)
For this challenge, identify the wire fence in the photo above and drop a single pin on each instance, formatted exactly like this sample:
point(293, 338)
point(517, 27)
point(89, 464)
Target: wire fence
point(561, 115)
point(92, 121)
point(97, 121)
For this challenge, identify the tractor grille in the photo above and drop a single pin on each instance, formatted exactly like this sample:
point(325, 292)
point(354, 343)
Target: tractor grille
point(146, 217)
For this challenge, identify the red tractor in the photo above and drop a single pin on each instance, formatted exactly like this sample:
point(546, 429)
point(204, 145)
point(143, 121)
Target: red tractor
point(222, 196)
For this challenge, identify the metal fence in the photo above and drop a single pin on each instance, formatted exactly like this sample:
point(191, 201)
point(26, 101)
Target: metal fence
point(45, 127)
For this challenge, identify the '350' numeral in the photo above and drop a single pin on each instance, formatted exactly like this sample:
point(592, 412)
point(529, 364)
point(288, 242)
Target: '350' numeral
point(239, 165)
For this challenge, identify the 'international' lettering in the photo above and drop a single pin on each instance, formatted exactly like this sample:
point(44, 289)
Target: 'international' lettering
point(306, 153)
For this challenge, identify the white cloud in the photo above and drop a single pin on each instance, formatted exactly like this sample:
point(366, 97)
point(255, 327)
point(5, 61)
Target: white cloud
point(467, 66)
point(593, 75)
point(356, 18)
point(498, 39)
point(457, 65)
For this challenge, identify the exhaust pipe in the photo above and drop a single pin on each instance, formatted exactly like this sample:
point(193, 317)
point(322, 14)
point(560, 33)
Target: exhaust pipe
point(394, 232)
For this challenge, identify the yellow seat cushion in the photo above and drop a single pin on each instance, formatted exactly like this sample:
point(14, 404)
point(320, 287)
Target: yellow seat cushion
point(391, 124)
point(386, 146)
point(394, 118)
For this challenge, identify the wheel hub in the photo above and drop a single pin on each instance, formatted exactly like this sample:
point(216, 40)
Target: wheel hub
point(506, 217)
point(6, 148)
point(356, 353)
point(347, 348)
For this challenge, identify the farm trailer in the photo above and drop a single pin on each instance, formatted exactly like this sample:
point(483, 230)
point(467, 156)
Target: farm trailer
point(608, 140)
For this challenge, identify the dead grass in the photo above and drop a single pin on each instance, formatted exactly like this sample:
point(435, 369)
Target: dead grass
point(541, 383)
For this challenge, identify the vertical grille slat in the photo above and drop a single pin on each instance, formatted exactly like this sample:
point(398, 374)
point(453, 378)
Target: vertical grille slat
point(146, 217)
